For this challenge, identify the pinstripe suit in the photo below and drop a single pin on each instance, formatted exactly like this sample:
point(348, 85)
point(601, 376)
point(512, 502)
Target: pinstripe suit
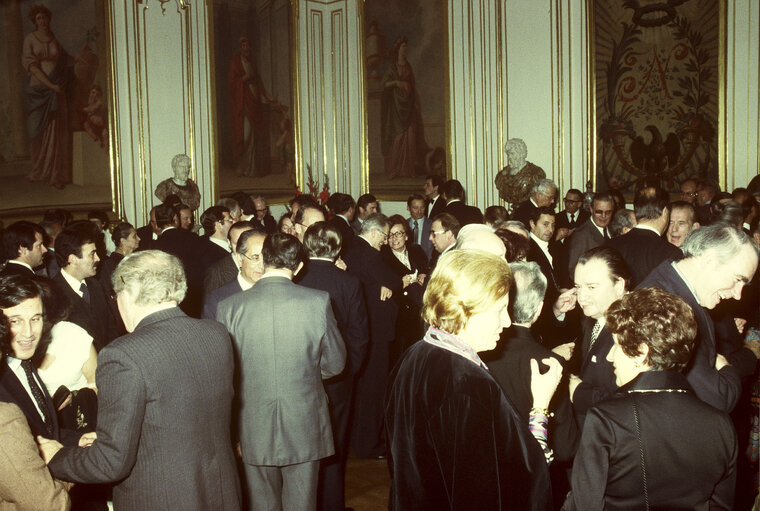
point(164, 399)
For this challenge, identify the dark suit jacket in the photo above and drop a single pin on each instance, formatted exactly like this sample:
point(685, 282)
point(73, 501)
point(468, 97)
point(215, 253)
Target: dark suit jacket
point(642, 251)
point(12, 391)
point(51, 263)
point(98, 318)
point(366, 263)
point(164, 404)
point(523, 212)
point(12, 268)
point(348, 306)
point(580, 218)
point(546, 327)
point(464, 213)
point(438, 207)
point(596, 371)
point(187, 247)
point(220, 273)
point(269, 225)
point(210, 253)
point(427, 245)
point(213, 298)
point(146, 237)
point(344, 228)
point(607, 473)
point(585, 237)
point(720, 389)
point(509, 364)
point(287, 340)
point(106, 269)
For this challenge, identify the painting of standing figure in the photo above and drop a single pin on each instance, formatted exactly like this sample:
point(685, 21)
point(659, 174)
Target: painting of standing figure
point(406, 72)
point(255, 96)
point(53, 111)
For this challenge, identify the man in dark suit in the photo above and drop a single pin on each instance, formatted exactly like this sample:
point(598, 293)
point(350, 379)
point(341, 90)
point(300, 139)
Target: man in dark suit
point(323, 246)
point(543, 194)
point(364, 260)
point(149, 233)
point(706, 192)
point(50, 263)
point(509, 364)
point(24, 245)
point(215, 245)
point(443, 235)
point(592, 233)
point(419, 224)
point(601, 278)
point(719, 260)
point(432, 191)
point(91, 308)
point(366, 205)
point(643, 247)
point(453, 192)
point(572, 216)
point(21, 303)
point(164, 401)
point(186, 246)
point(683, 220)
point(262, 218)
point(248, 255)
point(343, 207)
point(227, 268)
point(287, 341)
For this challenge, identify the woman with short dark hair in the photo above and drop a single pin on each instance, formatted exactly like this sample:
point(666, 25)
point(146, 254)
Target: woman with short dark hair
point(126, 241)
point(655, 445)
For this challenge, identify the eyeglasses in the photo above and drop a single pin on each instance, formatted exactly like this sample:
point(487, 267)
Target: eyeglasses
point(255, 257)
point(385, 234)
point(573, 201)
point(261, 210)
point(398, 234)
point(438, 233)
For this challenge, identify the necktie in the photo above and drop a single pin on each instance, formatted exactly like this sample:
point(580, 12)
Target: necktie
point(85, 293)
point(416, 232)
point(594, 334)
point(572, 218)
point(606, 234)
point(37, 393)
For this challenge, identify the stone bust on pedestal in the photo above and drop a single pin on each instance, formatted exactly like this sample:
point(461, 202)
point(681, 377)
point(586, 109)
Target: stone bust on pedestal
point(516, 179)
point(180, 185)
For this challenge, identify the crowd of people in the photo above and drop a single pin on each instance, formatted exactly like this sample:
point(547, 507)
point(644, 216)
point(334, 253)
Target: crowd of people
point(597, 357)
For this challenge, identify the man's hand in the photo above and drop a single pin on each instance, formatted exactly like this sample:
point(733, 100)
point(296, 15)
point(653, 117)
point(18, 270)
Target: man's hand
point(562, 233)
point(87, 439)
point(385, 293)
point(48, 448)
point(565, 302)
point(421, 279)
point(565, 350)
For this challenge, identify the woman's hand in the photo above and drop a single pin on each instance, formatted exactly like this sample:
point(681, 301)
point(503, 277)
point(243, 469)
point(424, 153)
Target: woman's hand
point(542, 386)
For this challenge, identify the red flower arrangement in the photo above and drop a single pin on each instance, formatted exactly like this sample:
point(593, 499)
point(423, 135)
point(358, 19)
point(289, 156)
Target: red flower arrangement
point(313, 186)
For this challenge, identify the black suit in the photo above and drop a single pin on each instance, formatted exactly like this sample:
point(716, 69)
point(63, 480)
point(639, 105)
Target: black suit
point(580, 217)
point(145, 233)
point(51, 263)
point(643, 250)
point(720, 389)
point(367, 264)
point(351, 314)
point(213, 298)
point(546, 326)
point(98, 317)
point(12, 391)
point(210, 253)
point(596, 371)
point(439, 206)
point(269, 225)
point(463, 213)
point(187, 247)
point(220, 273)
point(523, 212)
point(12, 268)
point(344, 228)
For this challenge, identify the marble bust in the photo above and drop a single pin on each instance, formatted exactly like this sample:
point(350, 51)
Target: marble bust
point(516, 179)
point(180, 185)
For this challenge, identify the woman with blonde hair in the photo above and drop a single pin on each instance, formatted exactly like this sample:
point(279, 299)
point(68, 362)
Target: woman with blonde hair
point(455, 440)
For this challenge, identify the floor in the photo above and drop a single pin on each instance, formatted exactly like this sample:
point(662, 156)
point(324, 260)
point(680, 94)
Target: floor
point(367, 484)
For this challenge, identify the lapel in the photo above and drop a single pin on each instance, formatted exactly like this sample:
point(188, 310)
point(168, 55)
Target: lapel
point(16, 391)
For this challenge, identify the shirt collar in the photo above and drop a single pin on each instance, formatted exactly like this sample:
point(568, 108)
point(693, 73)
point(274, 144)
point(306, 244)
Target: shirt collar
point(21, 263)
point(222, 243)
point(685, 281)
point(72, 282)
point(544, 245)
point(600, 229)
point(244, 284)
point(532, 201)
point(13, 362)
point(647, 228)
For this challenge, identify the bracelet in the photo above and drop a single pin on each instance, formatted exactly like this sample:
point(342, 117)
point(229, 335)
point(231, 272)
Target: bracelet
point(543, 412)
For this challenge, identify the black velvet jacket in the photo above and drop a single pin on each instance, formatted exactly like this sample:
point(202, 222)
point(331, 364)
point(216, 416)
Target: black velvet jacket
point(456, 441)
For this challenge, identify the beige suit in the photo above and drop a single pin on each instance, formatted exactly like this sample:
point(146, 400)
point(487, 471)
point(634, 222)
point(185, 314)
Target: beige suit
point(25, 482)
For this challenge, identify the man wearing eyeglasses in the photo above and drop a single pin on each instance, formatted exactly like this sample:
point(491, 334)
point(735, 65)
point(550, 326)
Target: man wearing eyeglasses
point(443, 236)
point(248, 255)
point(216, 222)
point(572, 216)
point(591, 234)
point(363, 259)
point(262, 216)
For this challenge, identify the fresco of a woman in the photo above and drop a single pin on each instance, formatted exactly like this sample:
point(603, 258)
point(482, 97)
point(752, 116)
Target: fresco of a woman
point(403, 136)
point(45, 99)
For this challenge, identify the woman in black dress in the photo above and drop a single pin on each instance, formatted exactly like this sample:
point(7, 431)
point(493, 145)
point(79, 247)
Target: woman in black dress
point(126, 240)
